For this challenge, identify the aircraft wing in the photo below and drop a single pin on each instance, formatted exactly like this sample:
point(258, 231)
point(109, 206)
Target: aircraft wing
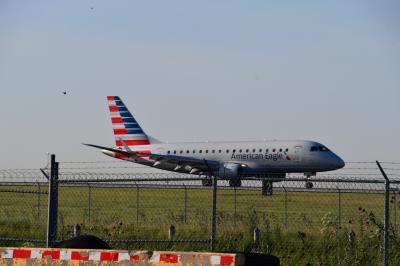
point(182, 161)
point(179, 161)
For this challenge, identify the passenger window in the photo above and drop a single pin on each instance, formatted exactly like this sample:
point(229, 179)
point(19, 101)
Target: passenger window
point(174, 152)
point(247, 150)
point(213, 151)
point(181, 152)
point(260, 150)
point(227, 151)
point(200, 151)
point(187, 151)
point(206, 151)
point(280, 150)
point(273, 150)
point(219, 151)
point(240, 150)
point(194, 151)
point(287, 150)
point(233, 150)
point(254, 150)
point(267, 150)
point(168, 152)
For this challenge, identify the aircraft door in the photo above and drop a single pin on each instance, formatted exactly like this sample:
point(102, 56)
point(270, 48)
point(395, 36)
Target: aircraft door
point(297, 153)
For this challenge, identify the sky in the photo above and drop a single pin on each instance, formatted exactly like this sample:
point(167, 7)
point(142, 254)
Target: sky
point(327, 71)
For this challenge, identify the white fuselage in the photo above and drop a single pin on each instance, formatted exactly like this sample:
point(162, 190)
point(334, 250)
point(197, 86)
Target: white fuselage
point(256, 157)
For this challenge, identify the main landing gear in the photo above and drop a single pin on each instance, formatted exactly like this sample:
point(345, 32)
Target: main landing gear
point(206, 182)
point(309, 184)
point(267, 188)
point(235, 182)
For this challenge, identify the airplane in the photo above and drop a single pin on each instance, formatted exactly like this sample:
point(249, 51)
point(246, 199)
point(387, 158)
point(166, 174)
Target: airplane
point(230, 160)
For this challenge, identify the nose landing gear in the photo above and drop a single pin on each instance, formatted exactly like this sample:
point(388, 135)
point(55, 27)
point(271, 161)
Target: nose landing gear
point(309, 184)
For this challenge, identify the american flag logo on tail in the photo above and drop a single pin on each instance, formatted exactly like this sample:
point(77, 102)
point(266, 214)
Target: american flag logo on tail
point(125, 126)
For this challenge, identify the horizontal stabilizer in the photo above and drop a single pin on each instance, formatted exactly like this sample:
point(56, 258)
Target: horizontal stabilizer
point(111, 149)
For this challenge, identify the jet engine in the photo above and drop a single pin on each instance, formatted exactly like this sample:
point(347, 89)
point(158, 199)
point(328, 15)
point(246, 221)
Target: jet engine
point(230, 170)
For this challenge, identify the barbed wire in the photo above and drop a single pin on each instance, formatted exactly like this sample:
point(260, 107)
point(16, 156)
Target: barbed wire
point(112, 167)
point(162, 170)
point(94, 162)
point(23, 169)
point(372, 162)
point(370, 168)
point(155, 176)
point(123, 161)
point(149, 167)
point(358, 174)
point(30, 172)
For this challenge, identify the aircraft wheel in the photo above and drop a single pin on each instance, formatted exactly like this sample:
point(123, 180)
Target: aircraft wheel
point(267, 188)
point(206, 182)
point(235, 182)
point(309, 185)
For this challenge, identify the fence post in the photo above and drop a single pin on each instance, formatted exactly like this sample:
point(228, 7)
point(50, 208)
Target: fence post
point(171, 232)
point(213, 213)
point(89, 201)
point(52, 203)
point(339, 206)
point(77, 230)
point(137, 204)
point(256, 237)
point(234, 206)
point(38, 200)
point(185, 204)
point(386, 218)
point(395, 208)
point(286, 212)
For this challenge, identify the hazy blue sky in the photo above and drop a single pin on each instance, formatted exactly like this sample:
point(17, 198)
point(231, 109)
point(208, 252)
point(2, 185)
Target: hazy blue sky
point(199, 70)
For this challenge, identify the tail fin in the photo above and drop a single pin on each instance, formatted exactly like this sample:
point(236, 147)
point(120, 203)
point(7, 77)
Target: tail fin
point(124, 125)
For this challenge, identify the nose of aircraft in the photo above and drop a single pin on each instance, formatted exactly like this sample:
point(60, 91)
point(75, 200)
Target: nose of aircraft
point(337, 162)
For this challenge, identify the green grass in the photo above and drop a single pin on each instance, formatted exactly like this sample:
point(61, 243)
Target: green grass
point(314, 233)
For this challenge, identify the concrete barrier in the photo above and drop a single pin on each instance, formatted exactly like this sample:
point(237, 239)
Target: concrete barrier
point(40, 256)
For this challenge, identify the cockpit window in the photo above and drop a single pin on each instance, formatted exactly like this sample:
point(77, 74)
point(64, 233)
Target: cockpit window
point(322, 148)
point(314, 148)
point(319, 148)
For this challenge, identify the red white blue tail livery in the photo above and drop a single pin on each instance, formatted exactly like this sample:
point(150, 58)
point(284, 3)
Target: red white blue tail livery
point(126, 128)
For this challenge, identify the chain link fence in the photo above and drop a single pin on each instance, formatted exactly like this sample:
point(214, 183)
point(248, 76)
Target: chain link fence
point(340, 221)
point(139, 211)
point(23, 208)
